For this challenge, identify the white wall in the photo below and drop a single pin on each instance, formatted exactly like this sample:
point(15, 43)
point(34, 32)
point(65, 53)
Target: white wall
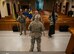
point(70, 5)
point(63, 8)
point(3, 9)
point(73, 8)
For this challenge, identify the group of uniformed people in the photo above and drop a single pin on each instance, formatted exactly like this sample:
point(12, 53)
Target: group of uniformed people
point(36, 28)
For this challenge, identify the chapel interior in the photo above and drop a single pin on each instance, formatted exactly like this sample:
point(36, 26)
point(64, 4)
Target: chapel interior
point(62, 41)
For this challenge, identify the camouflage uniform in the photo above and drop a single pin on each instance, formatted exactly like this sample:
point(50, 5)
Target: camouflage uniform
point(22, 21)
point(36, 28)
point(33, 18)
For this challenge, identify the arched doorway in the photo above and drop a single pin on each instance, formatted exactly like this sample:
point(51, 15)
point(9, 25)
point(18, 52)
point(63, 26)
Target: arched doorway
point(66, 8)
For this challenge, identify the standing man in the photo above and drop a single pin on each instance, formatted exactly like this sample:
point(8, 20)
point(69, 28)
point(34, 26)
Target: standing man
point(36, 13)
point(36, 28)
point(52, 19)
point(22, 20)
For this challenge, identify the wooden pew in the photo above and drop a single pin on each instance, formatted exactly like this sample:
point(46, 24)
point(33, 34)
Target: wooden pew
point(70, 47)
point(64, 21)
point(6, 23)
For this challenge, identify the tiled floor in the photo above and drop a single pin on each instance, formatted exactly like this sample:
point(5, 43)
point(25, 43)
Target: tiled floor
point(12, 41)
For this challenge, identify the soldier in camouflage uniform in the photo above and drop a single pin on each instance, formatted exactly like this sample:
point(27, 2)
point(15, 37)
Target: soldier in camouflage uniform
point(22, 20)
point(36, 13)
point(36, 28)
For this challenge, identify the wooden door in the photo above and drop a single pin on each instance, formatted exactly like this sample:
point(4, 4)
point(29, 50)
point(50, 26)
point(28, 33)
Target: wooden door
point(8, 9)
point(60, 7)
point(0, 15)
point(66, 8)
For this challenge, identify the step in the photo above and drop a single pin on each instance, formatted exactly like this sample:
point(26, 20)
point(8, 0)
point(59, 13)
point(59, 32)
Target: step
point(23, 52)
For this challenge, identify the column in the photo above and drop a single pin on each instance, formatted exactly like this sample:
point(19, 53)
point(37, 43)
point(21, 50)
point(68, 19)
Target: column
point(0, 9)
point(12, 9)
point(3, 8)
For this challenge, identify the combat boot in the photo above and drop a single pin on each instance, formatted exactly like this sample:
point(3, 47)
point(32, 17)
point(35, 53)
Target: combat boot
point(20, 33)
point(31, 50)
point(38, 49)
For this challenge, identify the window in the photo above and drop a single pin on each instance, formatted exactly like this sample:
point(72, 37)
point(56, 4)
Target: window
point(39, 4)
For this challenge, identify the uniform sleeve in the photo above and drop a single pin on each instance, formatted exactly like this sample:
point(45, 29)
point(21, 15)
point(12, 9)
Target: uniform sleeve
point(41, 18)
point(43, 28)
point(29, 27)
point(23, 16)
point(18, 18)
point(33, 17)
